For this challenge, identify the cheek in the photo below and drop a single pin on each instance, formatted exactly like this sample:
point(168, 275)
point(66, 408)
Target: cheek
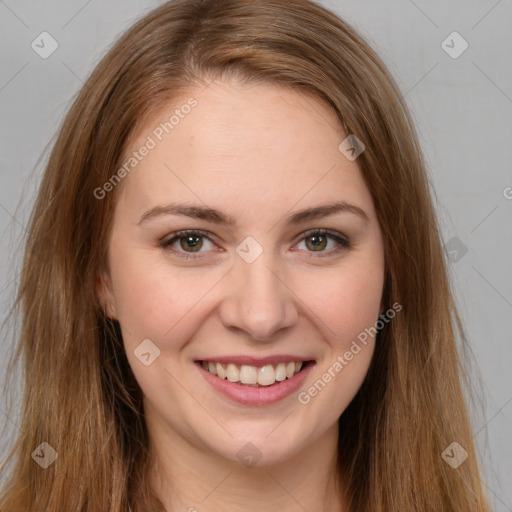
point(347, 304)
point(151, 297)
point(157, 303)
point(347, 300)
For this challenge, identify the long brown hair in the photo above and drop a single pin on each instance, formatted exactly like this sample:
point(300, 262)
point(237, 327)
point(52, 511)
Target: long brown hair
point(80, 395)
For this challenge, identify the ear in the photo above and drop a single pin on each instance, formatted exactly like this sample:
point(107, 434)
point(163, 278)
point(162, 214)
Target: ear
point(104, 292)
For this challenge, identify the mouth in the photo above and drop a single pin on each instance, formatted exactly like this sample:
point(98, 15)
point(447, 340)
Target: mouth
point(255, 381)
point(256, 376)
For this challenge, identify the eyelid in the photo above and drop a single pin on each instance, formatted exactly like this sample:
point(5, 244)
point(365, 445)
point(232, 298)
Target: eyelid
point(173, 237)
point(342, 240)
point(336, 235)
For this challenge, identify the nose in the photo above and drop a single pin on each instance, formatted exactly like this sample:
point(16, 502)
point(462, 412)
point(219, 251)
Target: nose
point(258, 302)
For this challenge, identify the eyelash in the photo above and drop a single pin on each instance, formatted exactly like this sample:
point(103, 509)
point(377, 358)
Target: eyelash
point(343, 242)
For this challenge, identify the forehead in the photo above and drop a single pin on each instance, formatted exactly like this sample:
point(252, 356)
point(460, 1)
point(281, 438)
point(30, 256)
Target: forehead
point(253, 147)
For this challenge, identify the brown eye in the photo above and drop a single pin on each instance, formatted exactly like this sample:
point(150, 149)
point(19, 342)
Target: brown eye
point(318, 242)
point(185, 243)
point(193, 242)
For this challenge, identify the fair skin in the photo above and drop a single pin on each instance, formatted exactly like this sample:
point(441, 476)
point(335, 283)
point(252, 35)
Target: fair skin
point(257, 153)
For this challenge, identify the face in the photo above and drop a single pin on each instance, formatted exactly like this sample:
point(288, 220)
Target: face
point(226, 248)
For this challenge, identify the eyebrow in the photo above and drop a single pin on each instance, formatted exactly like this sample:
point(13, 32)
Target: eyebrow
point(218, 217)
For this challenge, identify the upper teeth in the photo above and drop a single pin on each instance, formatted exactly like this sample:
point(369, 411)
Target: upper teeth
point(264, 375)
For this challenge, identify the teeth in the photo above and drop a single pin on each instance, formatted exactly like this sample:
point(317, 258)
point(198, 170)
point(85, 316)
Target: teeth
point(280, 372)
point(220, 371)
point(233, 373)
point(212, 368)
point(266, 375)
point(248, 374)
point(252, 375)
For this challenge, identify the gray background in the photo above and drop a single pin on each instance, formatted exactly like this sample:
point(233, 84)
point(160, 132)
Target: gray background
point(462, 107)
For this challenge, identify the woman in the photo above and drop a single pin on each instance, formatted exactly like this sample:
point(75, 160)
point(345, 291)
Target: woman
point(183, 345)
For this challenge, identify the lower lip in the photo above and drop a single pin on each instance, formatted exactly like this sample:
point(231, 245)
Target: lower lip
point(257, 396)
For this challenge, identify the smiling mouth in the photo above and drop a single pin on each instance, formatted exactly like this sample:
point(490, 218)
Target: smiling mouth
point(255, 376)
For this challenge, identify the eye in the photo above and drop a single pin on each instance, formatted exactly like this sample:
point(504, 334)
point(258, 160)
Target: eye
point(316, 240)
point(188, 242)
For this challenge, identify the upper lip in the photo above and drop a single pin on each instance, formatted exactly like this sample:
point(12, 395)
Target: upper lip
point(256, 361)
